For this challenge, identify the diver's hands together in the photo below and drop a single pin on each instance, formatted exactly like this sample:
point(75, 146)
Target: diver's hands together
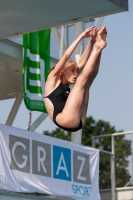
point(90, 32)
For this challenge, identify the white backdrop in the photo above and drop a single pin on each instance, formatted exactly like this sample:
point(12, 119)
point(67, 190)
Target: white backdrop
point(31, 162)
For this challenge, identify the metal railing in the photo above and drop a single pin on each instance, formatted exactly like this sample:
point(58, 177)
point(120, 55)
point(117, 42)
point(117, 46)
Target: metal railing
point(112, 154)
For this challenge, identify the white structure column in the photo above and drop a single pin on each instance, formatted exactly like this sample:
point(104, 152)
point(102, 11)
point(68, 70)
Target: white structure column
point(100, 21)
point(59, 39)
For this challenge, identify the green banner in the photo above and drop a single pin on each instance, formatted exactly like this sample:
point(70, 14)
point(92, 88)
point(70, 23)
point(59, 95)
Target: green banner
point(36, 64)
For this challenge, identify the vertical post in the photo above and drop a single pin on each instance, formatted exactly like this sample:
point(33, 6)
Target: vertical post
point(100, 21)
point(132, 164)
point(113, 178)
point(93, 142)
point(79, 28)
point(58, 37)
point(67, 42)
point(62, 42)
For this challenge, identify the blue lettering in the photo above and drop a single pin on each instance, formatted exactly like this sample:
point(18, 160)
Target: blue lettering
point(73, 188)
point(77, 188)
point(81, 190)
point(86, 191)
point(62, 163)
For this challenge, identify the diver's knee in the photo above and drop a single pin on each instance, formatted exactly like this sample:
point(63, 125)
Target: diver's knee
point(82, 81)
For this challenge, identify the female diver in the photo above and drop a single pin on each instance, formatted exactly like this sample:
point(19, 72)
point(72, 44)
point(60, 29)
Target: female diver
point(68, 109)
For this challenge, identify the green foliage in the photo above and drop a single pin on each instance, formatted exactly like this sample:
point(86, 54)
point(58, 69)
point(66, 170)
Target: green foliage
point(122, 150)
point(59, 133)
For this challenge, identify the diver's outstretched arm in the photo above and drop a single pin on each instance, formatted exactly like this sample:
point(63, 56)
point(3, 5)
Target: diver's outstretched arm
point(59, 66)
point(84, 57)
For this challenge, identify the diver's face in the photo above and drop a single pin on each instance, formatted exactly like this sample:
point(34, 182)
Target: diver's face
point(70, 73)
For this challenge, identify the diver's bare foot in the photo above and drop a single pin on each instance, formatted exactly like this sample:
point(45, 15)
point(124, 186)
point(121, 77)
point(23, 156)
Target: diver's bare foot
point(101, 37)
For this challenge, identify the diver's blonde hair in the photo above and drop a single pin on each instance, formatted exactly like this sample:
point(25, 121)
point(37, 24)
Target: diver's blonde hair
point(69, 62)
point(65, 66)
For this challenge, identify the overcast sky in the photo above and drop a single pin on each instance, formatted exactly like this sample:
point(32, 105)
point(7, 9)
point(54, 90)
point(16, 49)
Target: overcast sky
point(111, 95)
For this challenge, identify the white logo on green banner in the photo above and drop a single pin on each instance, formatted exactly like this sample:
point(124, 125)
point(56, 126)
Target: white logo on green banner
point(35, 68)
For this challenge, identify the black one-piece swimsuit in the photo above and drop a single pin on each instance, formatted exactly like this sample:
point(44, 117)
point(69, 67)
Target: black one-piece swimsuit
point(58, 98)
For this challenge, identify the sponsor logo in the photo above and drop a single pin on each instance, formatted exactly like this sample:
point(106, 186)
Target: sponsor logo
point(53, 161)
point(67, 93)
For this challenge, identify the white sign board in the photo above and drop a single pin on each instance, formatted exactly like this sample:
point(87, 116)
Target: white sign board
point(31, 162)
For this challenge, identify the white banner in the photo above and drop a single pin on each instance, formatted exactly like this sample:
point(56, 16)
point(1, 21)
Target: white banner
point(31, 162)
